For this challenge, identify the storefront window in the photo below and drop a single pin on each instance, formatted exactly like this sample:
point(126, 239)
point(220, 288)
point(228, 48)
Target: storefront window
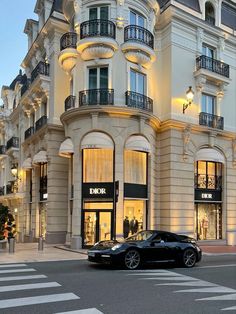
point(135, 167)
point(134, 216)
point(208, 175)
point(97, 165)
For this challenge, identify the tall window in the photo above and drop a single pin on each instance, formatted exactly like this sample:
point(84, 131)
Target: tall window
point(135, 167)
point(137, 82)
point(97, 165)
point(208, 104)
point(136, 19)
point(208, 175)
point(98, 78)
point(208, 51)
point(209, 13)
point(101, 13)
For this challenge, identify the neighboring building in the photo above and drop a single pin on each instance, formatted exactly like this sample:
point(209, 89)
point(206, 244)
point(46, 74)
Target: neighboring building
point(99, 128)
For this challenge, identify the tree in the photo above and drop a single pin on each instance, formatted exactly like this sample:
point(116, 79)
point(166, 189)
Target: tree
point(7, 223)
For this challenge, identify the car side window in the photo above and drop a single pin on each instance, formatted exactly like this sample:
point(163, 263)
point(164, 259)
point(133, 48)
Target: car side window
point(170, 238)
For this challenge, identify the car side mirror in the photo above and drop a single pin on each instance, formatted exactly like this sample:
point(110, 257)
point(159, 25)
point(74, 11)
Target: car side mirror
point(157, 241)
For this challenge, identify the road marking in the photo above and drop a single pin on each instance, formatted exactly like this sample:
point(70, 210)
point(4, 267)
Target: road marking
point(155, 274)
point(216, 266)
point(12, 265)
point(232, 308)
point(228, 297)
point(144, 271)
point(7, 303)
point(180, 278)
point(29, 286)
point(195, 283)
point(22, 277)
point(218, 289)
point(8, 271)
point(84, 311)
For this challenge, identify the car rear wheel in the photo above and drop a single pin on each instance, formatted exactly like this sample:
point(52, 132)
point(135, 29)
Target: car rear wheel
point(132, 259)
point(189, 258)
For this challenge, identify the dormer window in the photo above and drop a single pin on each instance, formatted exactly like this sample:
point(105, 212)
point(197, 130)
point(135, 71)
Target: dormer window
point(209, 13)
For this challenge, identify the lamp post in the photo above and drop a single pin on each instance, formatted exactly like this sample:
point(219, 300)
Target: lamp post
point(189, 96)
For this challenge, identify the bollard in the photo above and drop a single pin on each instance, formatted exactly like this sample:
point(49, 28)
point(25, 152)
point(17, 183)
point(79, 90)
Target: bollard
point(11, 245)
point(40, 244)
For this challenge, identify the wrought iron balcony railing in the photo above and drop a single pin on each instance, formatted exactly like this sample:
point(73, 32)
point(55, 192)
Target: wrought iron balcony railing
point(211, 120)
point(139, 101)
point(211, 182)
point(13, 143)
point(101, 97)
point(2, 149)
point(204, 62)
point(70, 102)
point(41, 122)
point(29, 132)
point(41, 68)
point(140, 34)
point(94, 28)
point(68, 40)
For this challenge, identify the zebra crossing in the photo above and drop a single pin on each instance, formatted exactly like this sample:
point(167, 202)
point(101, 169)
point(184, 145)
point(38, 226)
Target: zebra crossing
point(7, 284)
point(193, 285)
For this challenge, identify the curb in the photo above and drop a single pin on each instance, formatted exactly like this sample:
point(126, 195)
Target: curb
point(70, 250)
point(217, 254)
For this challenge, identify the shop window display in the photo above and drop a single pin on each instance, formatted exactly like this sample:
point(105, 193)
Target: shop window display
point(134, 217)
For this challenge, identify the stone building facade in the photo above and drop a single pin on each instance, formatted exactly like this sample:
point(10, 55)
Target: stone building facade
point(99, 126)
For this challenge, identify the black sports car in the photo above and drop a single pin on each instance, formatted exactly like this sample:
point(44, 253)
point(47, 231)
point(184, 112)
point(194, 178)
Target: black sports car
point(148, 246)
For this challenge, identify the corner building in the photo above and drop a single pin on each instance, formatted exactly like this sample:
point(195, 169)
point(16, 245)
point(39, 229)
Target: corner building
point(99, 127)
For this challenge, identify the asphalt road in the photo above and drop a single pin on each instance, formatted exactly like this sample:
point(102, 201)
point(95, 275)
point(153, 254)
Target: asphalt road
point(161, 289)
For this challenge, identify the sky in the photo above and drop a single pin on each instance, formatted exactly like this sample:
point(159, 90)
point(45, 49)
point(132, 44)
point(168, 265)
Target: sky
point(13, 40)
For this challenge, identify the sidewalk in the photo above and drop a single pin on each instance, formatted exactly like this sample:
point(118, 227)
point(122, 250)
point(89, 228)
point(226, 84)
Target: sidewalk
point(218, 250)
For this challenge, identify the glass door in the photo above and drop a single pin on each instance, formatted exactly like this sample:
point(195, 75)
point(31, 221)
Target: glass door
point(98, 85)
point(98, 13)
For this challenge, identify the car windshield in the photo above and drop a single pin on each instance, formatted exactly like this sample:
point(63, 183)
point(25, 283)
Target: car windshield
point(140, 236)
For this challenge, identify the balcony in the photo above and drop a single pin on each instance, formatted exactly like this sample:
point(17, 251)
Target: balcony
point(2, 149)
point(138, 101)
point(41, 69)
point(13, 143)
point(97, 39)
point(41, 122)
point(210, 182)
point(70, 102)
point(138, 45)
point(94, 97)
point(211, 120)
point(29, 132)
point(68, 55)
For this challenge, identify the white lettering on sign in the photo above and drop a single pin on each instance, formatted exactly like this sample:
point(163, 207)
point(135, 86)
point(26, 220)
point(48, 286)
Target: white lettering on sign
point(207, 195)
point(97, 191)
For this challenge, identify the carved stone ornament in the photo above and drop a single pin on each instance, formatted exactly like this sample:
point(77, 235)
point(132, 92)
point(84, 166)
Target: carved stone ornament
point(234, 151)
point(186, 141)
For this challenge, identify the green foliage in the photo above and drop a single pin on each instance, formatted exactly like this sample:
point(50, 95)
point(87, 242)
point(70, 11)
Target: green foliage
point(7, 223)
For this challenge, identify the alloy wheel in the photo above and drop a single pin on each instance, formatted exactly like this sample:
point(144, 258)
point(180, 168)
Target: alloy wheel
point(189, 258)
point(132, 259)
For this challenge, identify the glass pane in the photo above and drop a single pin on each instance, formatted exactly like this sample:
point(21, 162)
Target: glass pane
point(209, 222)
point(141, 82)
point(133, 81)
point(104, 13)
point(211, 175)
point(93, 15)
point(132, 17)
point(93, 78)
point(207, 51)
point(140, 21)
point(135, 167)
point(104, 226)
point(103, 77)
point(98, 205)
point(89, 228)
point(202, 174)
point(134, 216)
point(204, 106)
point(97, 165)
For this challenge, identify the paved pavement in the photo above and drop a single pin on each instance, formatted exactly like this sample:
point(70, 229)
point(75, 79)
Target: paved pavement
point(28, 252)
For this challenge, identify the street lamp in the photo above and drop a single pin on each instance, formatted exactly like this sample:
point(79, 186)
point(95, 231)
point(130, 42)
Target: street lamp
point(189, 96)
point(14, 170)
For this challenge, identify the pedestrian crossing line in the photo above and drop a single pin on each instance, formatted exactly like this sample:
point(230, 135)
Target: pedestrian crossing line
point(8, 271)
point(232, 308)
point(13, 278)
point(12, 265)
point(49, 298)
point(177, 278)
point(84, 311)
point(217, 289)
point(155, 274)
point(195, 283)
point(144, 271)
point(228, 297)
point(30, 286)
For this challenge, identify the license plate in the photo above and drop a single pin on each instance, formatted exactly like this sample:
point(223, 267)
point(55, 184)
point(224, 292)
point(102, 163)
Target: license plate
point(92, 254)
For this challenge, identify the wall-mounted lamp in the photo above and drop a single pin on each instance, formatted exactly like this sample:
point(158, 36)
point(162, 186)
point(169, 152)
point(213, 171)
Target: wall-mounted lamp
point(14, 170)
point(189, 96)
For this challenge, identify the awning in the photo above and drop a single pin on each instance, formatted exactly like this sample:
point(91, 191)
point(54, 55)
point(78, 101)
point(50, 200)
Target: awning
point(40, 157)
point(138, 143)
point(209, 154)
point(27, 164)
point(97, 140)
point(66, 148)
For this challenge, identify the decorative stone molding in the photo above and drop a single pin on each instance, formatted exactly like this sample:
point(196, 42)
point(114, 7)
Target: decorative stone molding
point(234, 152)
point(186, 141)
point(200, 38)
point(120, 20)
point(67, 59)
point(138, 53)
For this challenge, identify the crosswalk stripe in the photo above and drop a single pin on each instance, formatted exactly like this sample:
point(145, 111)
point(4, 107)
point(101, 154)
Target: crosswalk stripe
point(195, 283)
point(232, 308)
point(22, 277)
point(8, 271)
point(30, 286)
point(7, 303)
point(180, 278)
point(12, 265)
point(218, 289)
point(227, 297)
point(155, 274)
point(84, 311)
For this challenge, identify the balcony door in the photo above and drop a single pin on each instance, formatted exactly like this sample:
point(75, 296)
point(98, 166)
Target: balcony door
point(137, 82)
point(98, 13)
point(98, 85)
point(209, 53)
point(136, 19)
point(209, 104)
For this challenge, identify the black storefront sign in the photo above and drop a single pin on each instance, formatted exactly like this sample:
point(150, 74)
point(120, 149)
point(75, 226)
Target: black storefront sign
point(207, 195)
point(98, 190)
point(135, 190)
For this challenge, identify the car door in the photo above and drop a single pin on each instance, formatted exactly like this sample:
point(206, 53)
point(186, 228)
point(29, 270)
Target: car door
point(172, 246)
point(156, 250)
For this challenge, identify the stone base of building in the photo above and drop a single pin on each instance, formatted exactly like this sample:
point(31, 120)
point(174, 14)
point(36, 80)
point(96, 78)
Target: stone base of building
point(76, 242)
point(231, 238)
point(55, 237)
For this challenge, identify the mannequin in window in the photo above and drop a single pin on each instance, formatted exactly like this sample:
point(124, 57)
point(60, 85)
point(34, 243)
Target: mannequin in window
point(126, 227)
point(133, 225)
point(204, 225)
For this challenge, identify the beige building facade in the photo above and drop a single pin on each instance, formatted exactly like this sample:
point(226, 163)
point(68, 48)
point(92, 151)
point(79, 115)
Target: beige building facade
point(99, 138)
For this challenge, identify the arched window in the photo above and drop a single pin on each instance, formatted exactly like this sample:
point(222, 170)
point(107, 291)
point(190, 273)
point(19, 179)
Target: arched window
point(209, 13)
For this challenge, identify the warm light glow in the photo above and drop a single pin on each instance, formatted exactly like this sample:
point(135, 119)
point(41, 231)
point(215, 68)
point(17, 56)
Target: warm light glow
point(14, 170)
point(189, 94)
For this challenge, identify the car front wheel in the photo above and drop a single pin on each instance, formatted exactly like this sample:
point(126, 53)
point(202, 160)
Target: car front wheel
point(189, 258)
point(132, 259)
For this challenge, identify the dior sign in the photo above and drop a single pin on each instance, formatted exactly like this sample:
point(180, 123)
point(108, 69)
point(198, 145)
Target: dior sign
point(97, 191)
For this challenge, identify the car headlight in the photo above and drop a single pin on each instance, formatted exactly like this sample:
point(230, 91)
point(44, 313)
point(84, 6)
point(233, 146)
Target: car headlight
point(117, 246)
